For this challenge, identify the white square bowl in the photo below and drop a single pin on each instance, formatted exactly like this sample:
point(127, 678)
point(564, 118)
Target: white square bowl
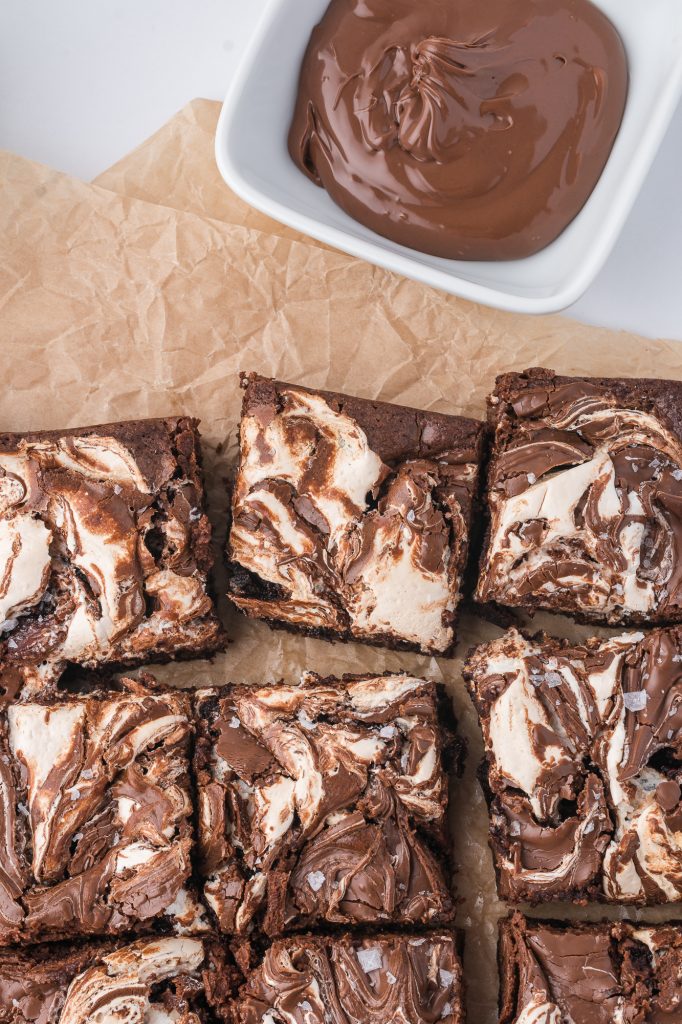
point(251, 151)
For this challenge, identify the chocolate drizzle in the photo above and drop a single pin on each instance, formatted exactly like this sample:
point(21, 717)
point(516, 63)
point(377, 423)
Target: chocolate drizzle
point(470, 130)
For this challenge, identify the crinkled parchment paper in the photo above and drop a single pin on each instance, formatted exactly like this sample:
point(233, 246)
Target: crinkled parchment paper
point(145, 294)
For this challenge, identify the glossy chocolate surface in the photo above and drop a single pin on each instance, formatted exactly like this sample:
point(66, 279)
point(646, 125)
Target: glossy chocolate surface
point(469, 129)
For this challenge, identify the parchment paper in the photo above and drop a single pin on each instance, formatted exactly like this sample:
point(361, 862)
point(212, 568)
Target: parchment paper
point(146, 293)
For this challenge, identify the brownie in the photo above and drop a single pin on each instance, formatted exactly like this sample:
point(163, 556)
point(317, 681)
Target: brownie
point(589, 974)
point(373, 980)
point(351, 518)
point(107, 547)
point(323, 803)
point(153, 980)
point(584, 765)
point(585, 498)
point(96, 815)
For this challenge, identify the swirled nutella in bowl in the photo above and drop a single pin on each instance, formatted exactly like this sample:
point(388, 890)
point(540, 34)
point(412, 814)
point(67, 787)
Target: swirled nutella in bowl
point(467, 129)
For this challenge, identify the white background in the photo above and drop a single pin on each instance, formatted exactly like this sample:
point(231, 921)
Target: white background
point(84, 81)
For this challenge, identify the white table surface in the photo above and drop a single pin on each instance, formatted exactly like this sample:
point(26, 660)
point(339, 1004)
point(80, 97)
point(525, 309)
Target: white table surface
point(84, 81)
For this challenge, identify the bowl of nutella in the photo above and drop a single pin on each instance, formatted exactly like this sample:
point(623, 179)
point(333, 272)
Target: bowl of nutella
point(489, 148)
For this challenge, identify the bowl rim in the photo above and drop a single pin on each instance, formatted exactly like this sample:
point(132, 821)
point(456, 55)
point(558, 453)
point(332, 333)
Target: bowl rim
point(375, 251)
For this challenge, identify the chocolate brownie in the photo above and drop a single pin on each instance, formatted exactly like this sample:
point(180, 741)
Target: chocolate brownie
point(584, 765)
point(375, 980)
point(323, 804)
point(105, 546)
point(589, 974)
point(96, 815)
point(585, 498)
point(351, 518)
point(154, 980)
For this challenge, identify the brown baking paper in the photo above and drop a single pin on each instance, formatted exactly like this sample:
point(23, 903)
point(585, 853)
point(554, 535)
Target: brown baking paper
point(145, 295)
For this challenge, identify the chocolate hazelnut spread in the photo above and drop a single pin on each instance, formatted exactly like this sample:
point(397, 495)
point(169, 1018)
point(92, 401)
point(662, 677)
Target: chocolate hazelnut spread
point(468, 129)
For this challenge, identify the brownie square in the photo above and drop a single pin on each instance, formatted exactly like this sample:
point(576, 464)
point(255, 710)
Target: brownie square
point(351, 518)
point(323, 804)
point(589, 974)
point(96, 815)
point(156, 980)
point(379, 979)
point(585, 498)
point(105, 546)
point(584, 765)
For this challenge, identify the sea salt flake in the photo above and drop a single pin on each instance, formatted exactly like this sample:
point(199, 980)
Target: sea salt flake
point(532, 479)
point(411, 516)
point(370, 960)
point(515, 828)
point(553, 679)
point(447, 1010)
point(588, 828)
point(305, 1006)
point(677, 474)
point(635, 701)
point(388, 732)
point(391, 978)
point(316, 880)
point(446, 978)
point(677, 658)
point(234, 722)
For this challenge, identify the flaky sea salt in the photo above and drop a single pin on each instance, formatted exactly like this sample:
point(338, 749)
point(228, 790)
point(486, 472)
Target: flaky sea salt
point(588, 828)
point(553, 679)
point(316, 880)
point(515, 828)
point(370, 960)
point(234, 722)
point(447, 1010)
point(388, 732)
point(305, 1006)
point(635, 701)
point(391, 978)
point(446, 978)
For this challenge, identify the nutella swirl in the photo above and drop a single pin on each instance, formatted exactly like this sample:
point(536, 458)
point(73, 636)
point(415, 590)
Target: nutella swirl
point(103, 551)
point(584, 751)
point(322, 803)
point(329, 537)
point(461, 128)
point(589, 974)
point(585, 500)
point(95, 816)
point(374, 980)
